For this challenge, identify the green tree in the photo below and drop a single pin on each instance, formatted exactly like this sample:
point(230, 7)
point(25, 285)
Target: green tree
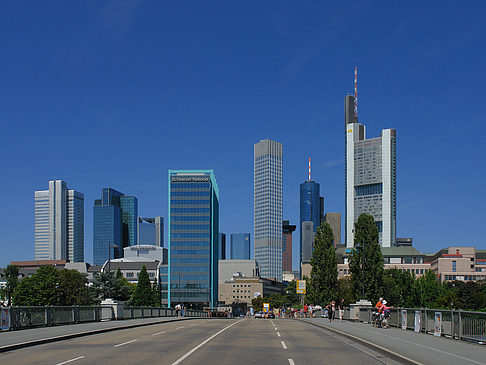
point(38, 290)
point(104, 286)
point(122, 289)
point(345, 290)
point(72, 288)
point(429, 289)
point(291, 298)
point(398, 288)
point(143, 295)
point(11, 273)
point(156, 294)
point(324, 271)
point(366, 241)
point(257, 303)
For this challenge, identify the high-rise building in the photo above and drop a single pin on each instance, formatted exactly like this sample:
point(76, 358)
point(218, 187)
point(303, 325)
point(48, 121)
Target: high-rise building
point(150, 231)
point(307, 230)
point(193, 239)
point(115, 218)
point(59, 223)
point(268, 208)
point(287, 230)
point(240, 246)
point(370, 177)
point(334, 220)
point(222, 246)
point(311, 210)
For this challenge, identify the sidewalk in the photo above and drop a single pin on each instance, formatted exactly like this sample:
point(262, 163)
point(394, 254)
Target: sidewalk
point(10, 340)
point(418, 347)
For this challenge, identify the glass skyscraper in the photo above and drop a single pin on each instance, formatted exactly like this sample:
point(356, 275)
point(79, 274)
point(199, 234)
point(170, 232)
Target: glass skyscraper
point(115, 218)
point(150, 231)
point(268, 208)
point(192, 273)
point(311, 210)
point(370, 178)
point(59, 223)
point(240, 246)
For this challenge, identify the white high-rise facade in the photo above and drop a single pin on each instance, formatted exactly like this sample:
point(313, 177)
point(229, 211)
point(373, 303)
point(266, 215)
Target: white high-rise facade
point(267, 185)
point(59, 223)
point(370, 178)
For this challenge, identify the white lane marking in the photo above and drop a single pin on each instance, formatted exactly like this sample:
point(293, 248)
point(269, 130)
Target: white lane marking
point(275, 328)
point(194, 324)
point(178, 328)
point(283, 345)
point(416, 344)
point(76, 358)
point(159, 333)
point(278, 334)
point(124, 343)
point(291, 362)
point(202, 344)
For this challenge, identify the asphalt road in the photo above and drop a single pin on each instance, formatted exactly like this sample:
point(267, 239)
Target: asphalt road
point(212, 341)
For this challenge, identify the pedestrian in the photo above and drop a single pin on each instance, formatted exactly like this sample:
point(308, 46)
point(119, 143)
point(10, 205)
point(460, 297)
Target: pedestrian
point(341, 310)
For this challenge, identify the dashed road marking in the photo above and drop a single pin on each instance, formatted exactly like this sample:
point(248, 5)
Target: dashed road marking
point(178, 328)
point(283, 345)
point(125, 343)
point(159, 333)
point(291, 362)
point(278, 334)
point(68, 361)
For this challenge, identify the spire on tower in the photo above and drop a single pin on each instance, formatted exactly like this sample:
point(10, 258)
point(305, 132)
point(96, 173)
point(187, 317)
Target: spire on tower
point(309, 170)
point(356, 91)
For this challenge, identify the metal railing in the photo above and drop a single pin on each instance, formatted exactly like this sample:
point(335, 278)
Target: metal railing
point(29, 317)
point(457, 324)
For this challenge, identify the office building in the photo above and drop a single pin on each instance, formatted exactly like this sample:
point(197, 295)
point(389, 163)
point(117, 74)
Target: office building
point(150, 231)
point(268, 208)
point(115, 218)
point(307, 229)
point(311, 210)
point(59, 223)
point(240, 291)
point(287, 230)
point(240, 246)
point(370, 177)
point(193, 240)
point(227, 269)
point(334, 220)
point(222, 246)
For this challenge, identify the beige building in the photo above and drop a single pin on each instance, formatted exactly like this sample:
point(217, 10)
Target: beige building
point(241, 290)
point(459, 263)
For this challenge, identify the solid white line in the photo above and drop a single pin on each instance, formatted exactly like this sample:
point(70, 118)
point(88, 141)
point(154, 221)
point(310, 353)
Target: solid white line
point(283, 345)
point(291, 362)
point(159, 333)
point(124, 343)
point(65, 362)
point(178, 328)
point(278, 334)
point(202, 344)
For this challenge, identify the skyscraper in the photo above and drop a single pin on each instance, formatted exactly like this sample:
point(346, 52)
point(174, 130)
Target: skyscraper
point(193, 239)
point(268, 208)
point(287, 230)
point(222, 246)
point(59, 223)
point(240, 246)
point(370, 177)
point(115, 218)
point(150, 231)
point(334, 220)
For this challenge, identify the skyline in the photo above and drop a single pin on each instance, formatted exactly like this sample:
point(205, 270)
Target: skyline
point(111, 100)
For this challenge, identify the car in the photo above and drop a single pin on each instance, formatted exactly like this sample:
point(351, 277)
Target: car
point(271, 315)
point(259, 315)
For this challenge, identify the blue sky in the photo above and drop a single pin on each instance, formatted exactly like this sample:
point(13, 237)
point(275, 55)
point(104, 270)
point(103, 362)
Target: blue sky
point(115, 93)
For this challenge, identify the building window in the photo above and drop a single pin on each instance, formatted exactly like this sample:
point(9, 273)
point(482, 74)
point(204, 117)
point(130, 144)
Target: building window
point(453, 266)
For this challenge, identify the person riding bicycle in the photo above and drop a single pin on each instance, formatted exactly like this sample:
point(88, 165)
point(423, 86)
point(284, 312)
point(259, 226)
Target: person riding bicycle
point(384, 313)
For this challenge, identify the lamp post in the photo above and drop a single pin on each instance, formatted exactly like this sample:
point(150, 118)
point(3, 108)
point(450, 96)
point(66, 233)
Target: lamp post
point(361, 246)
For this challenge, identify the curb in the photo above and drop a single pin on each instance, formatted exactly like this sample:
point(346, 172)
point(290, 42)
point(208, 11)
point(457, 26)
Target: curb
point(392, 354)
point(82, 334)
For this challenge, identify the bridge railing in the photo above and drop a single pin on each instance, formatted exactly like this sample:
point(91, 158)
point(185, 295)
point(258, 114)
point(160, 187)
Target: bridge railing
point(457, 324)
point(15, 318)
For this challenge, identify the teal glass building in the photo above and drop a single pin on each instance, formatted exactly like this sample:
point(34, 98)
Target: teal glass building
point(115, 218)
point(191, 277)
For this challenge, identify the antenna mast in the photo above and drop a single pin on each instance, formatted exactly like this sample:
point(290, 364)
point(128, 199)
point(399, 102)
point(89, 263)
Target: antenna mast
point(309, 170)
point(356, 91)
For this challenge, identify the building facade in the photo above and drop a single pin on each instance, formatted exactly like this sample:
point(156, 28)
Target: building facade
point(267, 185)
point(193, 244)
point(115, 218)
point(370, 177)
point(227, 269)
point(311, 210)
point(150, 231)
point(241, 290)
point(59, 223)
point(287, 230)
point(240, 246)
point(334, 220)
point(222, 246)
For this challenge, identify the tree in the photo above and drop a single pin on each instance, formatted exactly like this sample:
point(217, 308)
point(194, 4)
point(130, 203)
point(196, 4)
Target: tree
point(324, 272)
point(11, 273)
point(291, 298)
point(104, 285)
point(143, 295)
point(345, 290)
point(366, 241)
point(122, 289)
point(38, 290)
point(429, 290)
point(72, 288)
point(398, 288)
point(156, 294)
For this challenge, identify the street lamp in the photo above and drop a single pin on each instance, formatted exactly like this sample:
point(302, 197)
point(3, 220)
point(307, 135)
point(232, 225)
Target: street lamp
point(361, 246)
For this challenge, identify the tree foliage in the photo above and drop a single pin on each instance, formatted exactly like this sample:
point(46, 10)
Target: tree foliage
point(72, 288)
point(11, 273)
point(346, 290)
point(143, 295)
point(366, 241)
point(429, 290)
point(323, 281)
point(398, 288)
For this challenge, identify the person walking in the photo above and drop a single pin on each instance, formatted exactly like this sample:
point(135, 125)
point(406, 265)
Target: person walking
point(341, 308)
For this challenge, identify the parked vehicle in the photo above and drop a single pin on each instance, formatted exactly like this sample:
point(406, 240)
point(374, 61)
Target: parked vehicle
point(259, 315)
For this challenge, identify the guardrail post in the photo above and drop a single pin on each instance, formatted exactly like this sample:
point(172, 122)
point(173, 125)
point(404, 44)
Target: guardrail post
point(46, 316)
point(460, 323)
